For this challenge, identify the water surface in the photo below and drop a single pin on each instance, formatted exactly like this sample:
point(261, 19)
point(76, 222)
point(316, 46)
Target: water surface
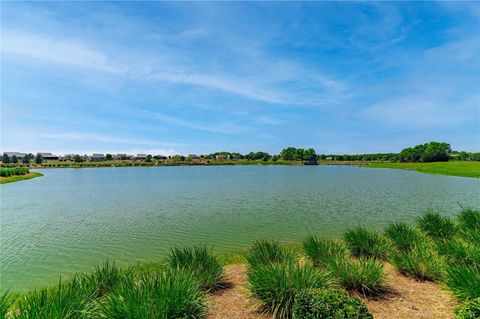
point(71, 219)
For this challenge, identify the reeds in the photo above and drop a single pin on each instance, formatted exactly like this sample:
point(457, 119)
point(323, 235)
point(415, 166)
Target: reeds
point(267, 251)
point(366, 243)
point(322, 250)
point(436, 226)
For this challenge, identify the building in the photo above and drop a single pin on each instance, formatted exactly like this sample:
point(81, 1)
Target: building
point(141, 157)
point(221, 157)
point(16, 154)
point(48, 156)
point(97, 158)
point(68, 157)
point(193, 156)
point(160, 157)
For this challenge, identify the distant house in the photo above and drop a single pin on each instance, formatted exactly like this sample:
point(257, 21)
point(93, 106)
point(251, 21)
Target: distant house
point(160, 157)
point(193, 156)
point(48, 156)
point(221, 157)
point(16, 154)
point(68, 157)
point(97, 157)
point(329, 158)
point(141, 157)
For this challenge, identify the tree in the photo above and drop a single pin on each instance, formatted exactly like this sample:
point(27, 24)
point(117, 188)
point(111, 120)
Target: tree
point(288, 153)
point(26, 159)
point(78, 159)
point(39, 159)
point(309, 154)
point(436, 152)
point(5, 158)
point(108, 157)
point(14, 159)
point(149, 158)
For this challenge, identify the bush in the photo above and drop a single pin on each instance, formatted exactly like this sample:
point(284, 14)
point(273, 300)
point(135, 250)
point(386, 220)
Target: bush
point(67, 300)
point(421, 263)
point(200, 262)
point(463, 281)
point(363, 275)
point(6, 172)
point(470, 309)
point(366, 243)
point(276, 284)
point(263, 252)
point(403, 236)
point(329, 304)
point(322, 250)
point(437, 227)
point(169, 294)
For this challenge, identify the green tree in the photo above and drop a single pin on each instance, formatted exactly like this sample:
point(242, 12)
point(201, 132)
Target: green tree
point(288, 153)
point(14, 159)
point(5, 158)
point(149, 158)
point(39, 159)
point(78, 159)
point(26, 159)
point(309, 154)
point(436, 152)
point(108, 157)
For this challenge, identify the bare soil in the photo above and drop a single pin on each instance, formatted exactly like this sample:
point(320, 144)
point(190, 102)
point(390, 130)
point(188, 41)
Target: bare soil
point(404, 298)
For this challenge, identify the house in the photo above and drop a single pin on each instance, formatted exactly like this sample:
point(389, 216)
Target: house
point(68, 157)
point(16, 154)
point(160, 157)
point(221, 157)
point(120, 157)
point(48, 156)
point(97, 158)
point(193, 156)
point(141, 157)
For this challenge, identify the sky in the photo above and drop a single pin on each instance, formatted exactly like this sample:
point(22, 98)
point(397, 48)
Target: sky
point(199, 77)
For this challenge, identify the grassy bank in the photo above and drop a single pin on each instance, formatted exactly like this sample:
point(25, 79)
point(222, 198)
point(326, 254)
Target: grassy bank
point(321, 276)
point(17, 178)
point(463, 169)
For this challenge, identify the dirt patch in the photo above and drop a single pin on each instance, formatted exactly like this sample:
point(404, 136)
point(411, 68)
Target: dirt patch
point(405, 298)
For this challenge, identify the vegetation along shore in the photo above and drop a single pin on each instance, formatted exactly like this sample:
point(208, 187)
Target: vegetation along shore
point(10, 175)
point(432, 158)
point(356, 277)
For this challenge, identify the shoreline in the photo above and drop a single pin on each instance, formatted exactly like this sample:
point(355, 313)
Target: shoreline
point(18, 178)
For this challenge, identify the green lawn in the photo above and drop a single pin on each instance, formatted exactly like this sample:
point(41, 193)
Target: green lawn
point(464, 169)
point(16, 178)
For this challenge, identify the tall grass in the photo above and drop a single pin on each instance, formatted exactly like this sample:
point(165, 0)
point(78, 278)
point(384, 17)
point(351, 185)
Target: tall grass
point(322, 250)
point(459, 251)
point(264, 252)
point(363, 275)
point(437, 227)
point(169, 294)
point(463, 280)
point(403, 236)
point(200, 262)
point(276, 284)
point(105, 278)
point(469, 219)
point(67, 300)
point(421, 263)
point(367, 243)
point(6, 301)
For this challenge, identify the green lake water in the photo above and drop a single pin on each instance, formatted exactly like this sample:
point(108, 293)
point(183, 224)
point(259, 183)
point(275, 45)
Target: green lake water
point(72, 219)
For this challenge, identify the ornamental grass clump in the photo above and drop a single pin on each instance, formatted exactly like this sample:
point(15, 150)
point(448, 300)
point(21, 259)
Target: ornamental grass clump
point(366, 243)
point(438, 227)
point(463, 280)
point(275, 285)
point(421, 263)
point(322, 250)
point(404, 237)
point(266, 251)
point(329, 304)
point(469, 219)
point(69, 299)
point(172, 293)
point(459, 251)
point(200, 262)
point(6, 301)
point(363, 275)
point(105, 278)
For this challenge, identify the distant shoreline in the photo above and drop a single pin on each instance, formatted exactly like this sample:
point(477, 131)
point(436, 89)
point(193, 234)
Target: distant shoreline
point(18, 178)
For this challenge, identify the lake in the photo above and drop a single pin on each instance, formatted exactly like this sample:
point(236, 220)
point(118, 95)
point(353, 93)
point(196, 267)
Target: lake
point(72, 219)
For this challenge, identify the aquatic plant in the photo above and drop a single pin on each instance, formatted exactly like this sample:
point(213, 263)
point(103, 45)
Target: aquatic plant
point(200, 262)
point(267, 251)
point(322, 250)
point(367, 243)
point(275, 285)
point(172, 293)
point(329, 304)
point(436, 226)
point(463, 280)
point(363, 275)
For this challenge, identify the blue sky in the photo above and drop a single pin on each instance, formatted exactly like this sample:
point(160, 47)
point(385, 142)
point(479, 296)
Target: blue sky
point(256, 76)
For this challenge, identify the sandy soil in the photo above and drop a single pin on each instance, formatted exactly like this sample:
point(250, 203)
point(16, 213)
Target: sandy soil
point(404, 298)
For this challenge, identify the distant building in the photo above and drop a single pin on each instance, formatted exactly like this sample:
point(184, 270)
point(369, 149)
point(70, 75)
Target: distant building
point(121, 157)
point(48, 156)
point(141, 157)
point(97, 157)
point(68, 157)
point(193, 156)
point(221, 157)
point(329, 158)
point(160, 157)
point(16, 154)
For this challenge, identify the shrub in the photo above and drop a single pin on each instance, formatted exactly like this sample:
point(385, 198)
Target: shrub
point(362, 275)
point(463, 281)
point(403, 236)
point(421, 263)
point(329, 304)
point(263, 252)
point(67, 300)
point(469, 219)
point(200, 262)
point(170, 294)
point(470, 309)
point(436, 226)
point(322, 250)
point(276, 284)
point(366, 243)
